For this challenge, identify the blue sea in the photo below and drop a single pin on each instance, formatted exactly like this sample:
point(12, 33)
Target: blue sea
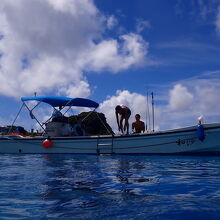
point(109, 187)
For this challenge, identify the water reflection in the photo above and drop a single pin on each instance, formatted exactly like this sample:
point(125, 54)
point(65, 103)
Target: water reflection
point(63, 186)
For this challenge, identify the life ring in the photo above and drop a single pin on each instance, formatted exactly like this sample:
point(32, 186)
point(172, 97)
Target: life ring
point(78, 130)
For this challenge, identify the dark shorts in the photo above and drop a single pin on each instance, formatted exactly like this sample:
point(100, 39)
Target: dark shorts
point(129, 112)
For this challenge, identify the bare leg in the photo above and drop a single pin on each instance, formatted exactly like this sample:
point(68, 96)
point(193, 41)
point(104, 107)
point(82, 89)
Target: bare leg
point(126, 125)
point(121, 125)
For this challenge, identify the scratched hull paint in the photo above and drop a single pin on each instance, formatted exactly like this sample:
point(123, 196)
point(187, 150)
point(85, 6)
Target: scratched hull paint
point(177, 141)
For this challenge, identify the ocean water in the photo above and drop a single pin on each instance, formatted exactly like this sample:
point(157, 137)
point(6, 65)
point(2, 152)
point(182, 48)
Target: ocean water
point(109, 187)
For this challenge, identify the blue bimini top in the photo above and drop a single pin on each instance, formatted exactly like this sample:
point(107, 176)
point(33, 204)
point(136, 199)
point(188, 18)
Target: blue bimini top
point(57, 101)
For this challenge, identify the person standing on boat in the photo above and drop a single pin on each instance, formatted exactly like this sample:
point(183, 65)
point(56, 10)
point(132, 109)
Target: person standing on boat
point(56, 113)
point(138, 126)
point(79, 128)
point(57, 116)
point(122, 113)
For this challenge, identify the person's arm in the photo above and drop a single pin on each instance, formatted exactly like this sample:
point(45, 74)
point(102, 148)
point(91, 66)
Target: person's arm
point(143, 127)
point(117, 120)
point(133, 127)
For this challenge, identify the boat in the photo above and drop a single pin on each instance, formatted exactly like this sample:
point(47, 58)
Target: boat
point(197, 139)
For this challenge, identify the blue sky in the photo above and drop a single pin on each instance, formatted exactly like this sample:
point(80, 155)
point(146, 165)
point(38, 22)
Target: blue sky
point(113, 52)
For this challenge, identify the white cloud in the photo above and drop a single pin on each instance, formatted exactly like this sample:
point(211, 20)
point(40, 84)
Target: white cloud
point(81, 90)
point(111, 22)
point(111, 55)
point(208, 99)
point(48, 44)
point(74, 7)
point(180, 98)
point(217, 22)
point(205, 88)
point(142, 24)
point(184, 107)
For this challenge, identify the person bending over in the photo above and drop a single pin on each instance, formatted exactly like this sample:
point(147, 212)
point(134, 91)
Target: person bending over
point(122, 113)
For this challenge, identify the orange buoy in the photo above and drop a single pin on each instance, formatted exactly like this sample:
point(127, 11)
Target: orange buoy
point(47, 143)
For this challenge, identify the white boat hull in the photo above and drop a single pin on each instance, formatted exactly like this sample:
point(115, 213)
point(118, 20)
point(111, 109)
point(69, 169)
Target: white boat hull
point(178, 141)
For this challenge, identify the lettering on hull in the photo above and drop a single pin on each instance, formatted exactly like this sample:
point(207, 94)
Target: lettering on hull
point(186, 142)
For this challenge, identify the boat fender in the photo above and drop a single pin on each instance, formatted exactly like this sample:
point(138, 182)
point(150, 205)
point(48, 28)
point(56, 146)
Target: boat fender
point(200, 132)
point(47, 143)
point(78, 130)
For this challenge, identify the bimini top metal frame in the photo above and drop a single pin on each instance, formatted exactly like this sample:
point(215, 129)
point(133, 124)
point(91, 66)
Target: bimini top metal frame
point(56, 101)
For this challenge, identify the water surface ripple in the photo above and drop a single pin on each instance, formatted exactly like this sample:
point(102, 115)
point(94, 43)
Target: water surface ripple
point(109, 187)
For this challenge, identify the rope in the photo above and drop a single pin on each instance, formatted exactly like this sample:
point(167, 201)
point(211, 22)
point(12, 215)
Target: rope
point(105, 126)
point(151, 145)
point(88, 114)
point(15, 119)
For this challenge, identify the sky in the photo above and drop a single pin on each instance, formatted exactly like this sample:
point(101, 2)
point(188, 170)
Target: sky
point(113, 52)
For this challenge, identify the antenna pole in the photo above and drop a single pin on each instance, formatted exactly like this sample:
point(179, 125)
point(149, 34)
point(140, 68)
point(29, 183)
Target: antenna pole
point(152, 96)
point(148, 115)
